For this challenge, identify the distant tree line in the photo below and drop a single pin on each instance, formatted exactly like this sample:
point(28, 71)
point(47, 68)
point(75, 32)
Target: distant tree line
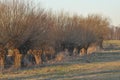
point(114, 33)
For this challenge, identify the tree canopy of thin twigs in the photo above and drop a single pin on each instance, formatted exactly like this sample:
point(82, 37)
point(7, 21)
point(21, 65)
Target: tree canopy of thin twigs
point(33, 27)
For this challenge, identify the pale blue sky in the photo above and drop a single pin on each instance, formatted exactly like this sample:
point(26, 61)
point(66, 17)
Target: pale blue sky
point(108, 8)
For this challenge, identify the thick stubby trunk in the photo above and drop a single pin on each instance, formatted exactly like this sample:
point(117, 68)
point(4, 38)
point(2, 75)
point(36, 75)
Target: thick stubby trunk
point(38, 59)
point(100, 44)
point(79, 48)
point(17, 59)
point(83, 52)
point(9, 61)
point(30, 56)
point(2, 58)
point(37, 55)
point(48, 53)
point(2, 61)
point(75, 51)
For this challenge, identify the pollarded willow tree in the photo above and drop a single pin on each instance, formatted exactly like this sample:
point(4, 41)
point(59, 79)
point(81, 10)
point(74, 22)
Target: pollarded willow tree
point(64, 32)
point(22, 26)
point(99, 26)
point(77, 31)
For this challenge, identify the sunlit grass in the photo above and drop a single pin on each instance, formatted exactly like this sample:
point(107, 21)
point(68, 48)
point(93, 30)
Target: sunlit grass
point(114, 42)
point(67, 71)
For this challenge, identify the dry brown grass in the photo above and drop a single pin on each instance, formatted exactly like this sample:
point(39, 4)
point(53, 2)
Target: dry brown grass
point(103, 66)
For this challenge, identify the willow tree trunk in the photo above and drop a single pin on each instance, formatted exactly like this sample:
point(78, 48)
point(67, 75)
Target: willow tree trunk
point(2, 62)
point(38, 59)
point(83, 52)
point(101, 44)
point(17, 59)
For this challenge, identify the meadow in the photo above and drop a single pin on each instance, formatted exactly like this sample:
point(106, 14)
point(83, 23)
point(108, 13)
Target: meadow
point(104, 65)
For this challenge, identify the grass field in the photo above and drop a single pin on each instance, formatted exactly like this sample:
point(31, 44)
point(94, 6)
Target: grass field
point(103, 65)
point(117, 42)
point(111, 44)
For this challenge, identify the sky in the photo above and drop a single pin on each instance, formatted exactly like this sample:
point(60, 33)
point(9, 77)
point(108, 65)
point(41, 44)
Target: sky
point(107, 8)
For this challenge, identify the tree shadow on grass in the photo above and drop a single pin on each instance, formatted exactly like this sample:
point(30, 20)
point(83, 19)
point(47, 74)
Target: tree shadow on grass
point(96, 57)
point(104, 57)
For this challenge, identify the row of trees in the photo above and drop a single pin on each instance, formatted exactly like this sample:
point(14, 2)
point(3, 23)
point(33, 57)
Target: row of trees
point(28, 29)
point(114, 33)
point(25, 27)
